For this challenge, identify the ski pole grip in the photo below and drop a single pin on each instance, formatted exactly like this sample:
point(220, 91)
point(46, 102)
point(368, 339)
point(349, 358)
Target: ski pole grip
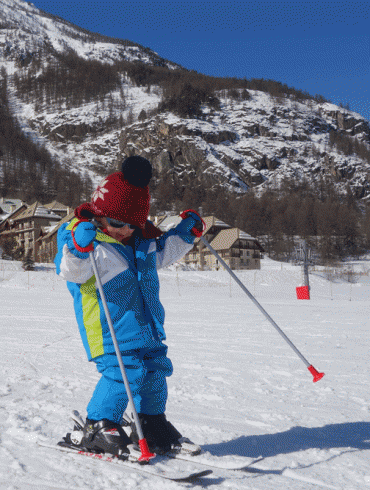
point(87, 249)
point(199, 226)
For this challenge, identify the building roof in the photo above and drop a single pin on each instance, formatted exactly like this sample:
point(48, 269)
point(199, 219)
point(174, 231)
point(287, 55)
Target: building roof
point(157, 220)
point(13, 215)
point(38, 210)
point(211, 221)
point(54, 230)
point(56, 206)
point(4, 201)
point(169, 222)
point(8, 206)
point(226, 239)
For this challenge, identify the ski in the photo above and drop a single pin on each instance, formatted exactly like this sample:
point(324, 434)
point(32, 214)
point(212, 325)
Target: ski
point(152, 468)
point(219, 462)
point(189, 451)
point(192, 452)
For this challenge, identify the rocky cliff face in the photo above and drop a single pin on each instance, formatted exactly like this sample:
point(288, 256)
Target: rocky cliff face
point(253, 143)
point(184, 148)
point(244, 144)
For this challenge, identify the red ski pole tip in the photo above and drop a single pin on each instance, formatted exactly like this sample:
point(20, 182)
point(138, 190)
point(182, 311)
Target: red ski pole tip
point(146, 455)
point(316, 375)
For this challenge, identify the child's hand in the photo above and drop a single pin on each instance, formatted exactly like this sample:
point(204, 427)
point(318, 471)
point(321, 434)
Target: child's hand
point(191, 223)
point(84, 234)
point(186, 225)
point(190, 226)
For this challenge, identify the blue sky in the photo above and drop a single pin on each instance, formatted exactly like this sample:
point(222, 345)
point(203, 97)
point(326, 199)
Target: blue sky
point(321, 48)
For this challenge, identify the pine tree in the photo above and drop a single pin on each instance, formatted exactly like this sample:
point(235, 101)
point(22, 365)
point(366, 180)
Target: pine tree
point(7, 246)
point(28, 264)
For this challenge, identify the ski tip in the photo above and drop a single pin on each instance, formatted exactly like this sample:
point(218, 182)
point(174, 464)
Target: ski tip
point(193, 476)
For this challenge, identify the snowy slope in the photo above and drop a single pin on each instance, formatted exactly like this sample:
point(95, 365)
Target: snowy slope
point(237, 388)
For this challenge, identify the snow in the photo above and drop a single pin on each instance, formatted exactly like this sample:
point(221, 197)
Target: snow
point(237, 389)
point(327, 106)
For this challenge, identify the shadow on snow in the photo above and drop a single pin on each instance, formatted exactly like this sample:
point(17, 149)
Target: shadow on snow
point(355, 435)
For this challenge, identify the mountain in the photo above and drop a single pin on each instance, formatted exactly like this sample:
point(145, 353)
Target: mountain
point(27, 31)
point(89, 100)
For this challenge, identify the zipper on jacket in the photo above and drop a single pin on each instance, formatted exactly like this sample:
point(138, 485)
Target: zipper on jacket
point(109, 246)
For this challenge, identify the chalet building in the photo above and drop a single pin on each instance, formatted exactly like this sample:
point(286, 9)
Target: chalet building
point(58, 208)
point(27, 226)
point(237, 248)
point(47, 245)
point(37, 228)
point(10, 207)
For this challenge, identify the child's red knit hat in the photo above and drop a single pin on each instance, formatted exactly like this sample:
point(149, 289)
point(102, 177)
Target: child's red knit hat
point(116, 198)
point(123, 196)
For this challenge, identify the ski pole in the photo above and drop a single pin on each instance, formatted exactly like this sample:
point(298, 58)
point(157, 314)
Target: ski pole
point(316, 375)
point(198, 232)
point(146, 455)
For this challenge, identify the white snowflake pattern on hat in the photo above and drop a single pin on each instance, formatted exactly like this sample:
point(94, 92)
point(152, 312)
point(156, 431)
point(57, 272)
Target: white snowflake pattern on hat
point(100, 191)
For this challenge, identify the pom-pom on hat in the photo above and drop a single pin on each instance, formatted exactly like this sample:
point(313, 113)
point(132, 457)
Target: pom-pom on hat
point(137, 170)
point(124, 196)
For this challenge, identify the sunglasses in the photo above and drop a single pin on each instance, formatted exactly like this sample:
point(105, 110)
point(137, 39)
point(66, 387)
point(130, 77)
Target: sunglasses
point(119, 224)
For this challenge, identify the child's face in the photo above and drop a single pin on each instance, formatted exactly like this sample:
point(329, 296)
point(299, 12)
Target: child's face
point(121, 234)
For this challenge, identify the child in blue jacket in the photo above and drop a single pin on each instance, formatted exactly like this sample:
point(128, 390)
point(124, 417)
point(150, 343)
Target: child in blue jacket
point(128, 250)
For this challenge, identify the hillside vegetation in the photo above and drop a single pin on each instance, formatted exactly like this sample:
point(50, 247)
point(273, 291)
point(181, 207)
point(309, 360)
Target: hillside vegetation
point(275, 161)
point(29, 172)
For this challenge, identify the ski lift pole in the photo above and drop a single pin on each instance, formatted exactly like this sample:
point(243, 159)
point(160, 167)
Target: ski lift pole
point(306, 279)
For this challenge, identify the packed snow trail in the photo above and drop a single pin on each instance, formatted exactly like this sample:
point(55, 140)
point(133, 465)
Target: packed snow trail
point(237, 389)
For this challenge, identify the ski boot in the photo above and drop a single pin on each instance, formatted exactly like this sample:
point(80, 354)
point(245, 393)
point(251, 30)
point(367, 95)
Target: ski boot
point(102, 436)
point(161, 435)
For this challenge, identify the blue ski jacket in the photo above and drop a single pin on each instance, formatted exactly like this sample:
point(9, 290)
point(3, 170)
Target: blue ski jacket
point(130, 283)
